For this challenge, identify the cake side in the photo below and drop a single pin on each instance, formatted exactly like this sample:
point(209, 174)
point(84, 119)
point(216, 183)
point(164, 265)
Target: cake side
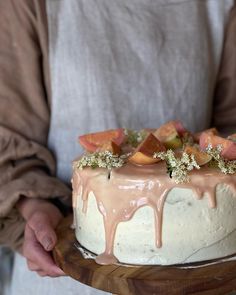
point(155, 221)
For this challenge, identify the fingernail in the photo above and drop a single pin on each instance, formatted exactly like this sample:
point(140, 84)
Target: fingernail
point(47, 243)
point(59, 271)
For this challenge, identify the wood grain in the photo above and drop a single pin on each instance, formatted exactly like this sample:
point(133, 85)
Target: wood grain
point(141, 280)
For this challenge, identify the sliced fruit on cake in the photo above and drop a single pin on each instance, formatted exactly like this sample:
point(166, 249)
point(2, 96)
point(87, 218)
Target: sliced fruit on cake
point(170, 134)
point(201, 157)
point(143, 154)
point(93, 141)
point(110, 146)
point(212, 131)
point(232, 137)
point(180, 127)
point(228, 146)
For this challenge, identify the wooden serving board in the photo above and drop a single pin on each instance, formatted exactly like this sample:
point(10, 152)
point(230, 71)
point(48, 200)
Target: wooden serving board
point(215, 279)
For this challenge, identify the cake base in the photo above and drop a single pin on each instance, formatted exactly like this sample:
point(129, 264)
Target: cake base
point(143, 280)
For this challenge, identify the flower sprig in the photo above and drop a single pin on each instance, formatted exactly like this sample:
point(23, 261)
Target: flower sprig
point(178, 168)
point(225, 166)
point(187, 139)
point(101, 160)
point(134, 137)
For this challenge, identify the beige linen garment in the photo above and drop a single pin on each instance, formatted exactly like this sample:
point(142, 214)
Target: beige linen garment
point(27, 167)
point(136, 64)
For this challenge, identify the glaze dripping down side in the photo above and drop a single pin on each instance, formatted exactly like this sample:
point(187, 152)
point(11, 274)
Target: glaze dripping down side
point(119, 196)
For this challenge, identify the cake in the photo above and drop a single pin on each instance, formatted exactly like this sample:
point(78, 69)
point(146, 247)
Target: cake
point(156, 197)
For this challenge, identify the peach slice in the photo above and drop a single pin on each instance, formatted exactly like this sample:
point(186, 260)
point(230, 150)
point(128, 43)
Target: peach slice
point(93, 141)
point(143, 154)
point(173, 143)
point(232, 137)
point(169, 136)
point(201, 158)
point(112, 147)
point(212, 131)
point(228, 146)
point(148, 130)
point(180, 127)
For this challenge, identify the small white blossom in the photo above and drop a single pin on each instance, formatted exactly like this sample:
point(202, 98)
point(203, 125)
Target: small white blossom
point(102, 160)
point(134, 137)
point(225, 166)
point(178, 168)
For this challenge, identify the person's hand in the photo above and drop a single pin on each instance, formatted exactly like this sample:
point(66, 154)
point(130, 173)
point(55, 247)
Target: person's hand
point(40, 238)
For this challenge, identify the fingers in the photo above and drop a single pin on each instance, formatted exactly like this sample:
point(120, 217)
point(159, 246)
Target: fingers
point(43, 230)
point(38, 259)
point(42, 273)
point(34, 267)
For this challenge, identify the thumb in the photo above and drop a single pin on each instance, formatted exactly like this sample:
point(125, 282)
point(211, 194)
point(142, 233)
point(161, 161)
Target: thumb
point(43, 230)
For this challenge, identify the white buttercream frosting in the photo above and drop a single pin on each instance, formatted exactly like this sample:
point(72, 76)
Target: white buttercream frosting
point(191, 229)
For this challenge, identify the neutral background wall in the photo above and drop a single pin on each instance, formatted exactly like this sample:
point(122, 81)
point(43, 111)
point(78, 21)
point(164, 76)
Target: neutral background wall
point(6, 261)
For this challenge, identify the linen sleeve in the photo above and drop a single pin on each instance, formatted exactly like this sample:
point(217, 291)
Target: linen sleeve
point(224, 109)
point(27, 168)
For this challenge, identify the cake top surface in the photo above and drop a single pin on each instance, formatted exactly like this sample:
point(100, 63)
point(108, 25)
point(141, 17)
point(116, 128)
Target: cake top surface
point(170, 149)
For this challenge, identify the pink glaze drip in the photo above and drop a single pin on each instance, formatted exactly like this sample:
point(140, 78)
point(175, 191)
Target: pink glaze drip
point(76, 185)
point(130, 188)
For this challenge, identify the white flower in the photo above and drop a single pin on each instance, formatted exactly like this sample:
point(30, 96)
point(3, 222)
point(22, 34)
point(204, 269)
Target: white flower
point(102, 160)
point(225, 166)
point(134, 137)
point(178, 168)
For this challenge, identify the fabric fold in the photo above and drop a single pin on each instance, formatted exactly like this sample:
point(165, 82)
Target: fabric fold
point(14, 147)
point(12, 230)
point(27, 167)
point(225, 92)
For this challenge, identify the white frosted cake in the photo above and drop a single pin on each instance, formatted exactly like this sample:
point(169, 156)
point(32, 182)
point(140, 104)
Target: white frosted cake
point(137, 213)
